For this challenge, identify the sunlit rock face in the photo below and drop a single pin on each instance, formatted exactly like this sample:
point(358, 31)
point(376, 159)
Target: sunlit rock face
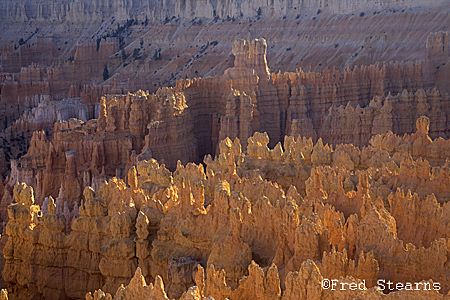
point(224, 149)
point(258, 222)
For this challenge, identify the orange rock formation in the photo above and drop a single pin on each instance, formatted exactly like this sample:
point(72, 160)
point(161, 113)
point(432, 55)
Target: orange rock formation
point(197, 113)
point(244, 185)
point(265, 222)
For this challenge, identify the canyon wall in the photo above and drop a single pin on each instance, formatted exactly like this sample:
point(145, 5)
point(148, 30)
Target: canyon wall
point(31, 75)
point(352, 163)
point(73, 11)
point(29, 97)
point(395, 114)
point(17, 96)
point(48, 112)
point(47, 57)
point(377, 98)
point(65, 160)
point(187, 122)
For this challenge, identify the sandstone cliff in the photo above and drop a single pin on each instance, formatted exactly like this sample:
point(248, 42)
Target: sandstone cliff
point(123, 134)
point(186, 122)
point(72, 11)
point(178, 187)
point(89, 35)
point(148, 45)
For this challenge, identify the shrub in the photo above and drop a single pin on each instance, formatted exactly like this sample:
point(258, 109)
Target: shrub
point(135, 52)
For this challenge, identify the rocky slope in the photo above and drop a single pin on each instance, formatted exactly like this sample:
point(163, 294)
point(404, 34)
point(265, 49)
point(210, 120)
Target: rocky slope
point(224, 149)
point(187, 122)
point(52, 51)
point(155, 46)
point(25, 10)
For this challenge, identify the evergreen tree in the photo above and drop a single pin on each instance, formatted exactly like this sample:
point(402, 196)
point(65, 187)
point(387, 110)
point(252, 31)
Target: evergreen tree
point(105, 72)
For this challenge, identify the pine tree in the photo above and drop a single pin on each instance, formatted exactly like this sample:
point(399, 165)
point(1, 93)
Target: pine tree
point(105, 73)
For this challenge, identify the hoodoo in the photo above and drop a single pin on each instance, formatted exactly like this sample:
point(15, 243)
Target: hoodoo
point(196, 150)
